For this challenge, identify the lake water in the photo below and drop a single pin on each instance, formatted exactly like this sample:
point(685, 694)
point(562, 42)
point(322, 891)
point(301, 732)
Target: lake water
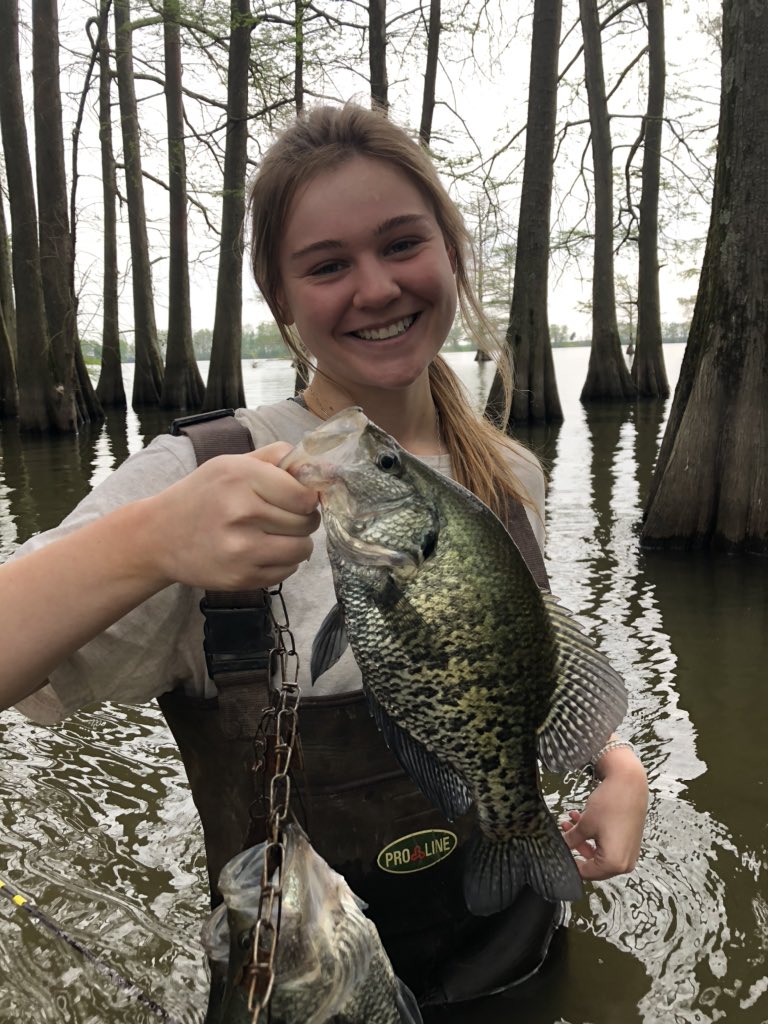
point(99, 830)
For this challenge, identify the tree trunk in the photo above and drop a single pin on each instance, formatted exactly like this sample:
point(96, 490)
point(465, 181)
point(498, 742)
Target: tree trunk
point(298, 56)
point(377, 53)
point(535, 398)
point(648, 371)
point(9, 396)
point(430, 73)
point(710, 487)
point(57, 258)
point(43, 404)
point(6, 279)
point(148, 371)
point(225, 376)
point(607, 376)
point(183, 386)
point(110, 389)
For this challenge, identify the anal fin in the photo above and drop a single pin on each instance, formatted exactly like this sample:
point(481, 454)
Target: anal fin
point(439, 783)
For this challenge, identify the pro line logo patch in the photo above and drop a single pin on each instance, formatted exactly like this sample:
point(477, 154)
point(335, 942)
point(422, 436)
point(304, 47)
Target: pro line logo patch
point(416, 852)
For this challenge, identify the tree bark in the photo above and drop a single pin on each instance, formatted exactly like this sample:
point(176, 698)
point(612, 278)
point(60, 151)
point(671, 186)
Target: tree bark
point(377, 53)
point(607, 375)
point(57, 257)
point(9, 396)
point(430, 73)
point(225, 376)
point(148, 371)
point(710, 486)
point(535, 397)
point(43, 400)
point(648, 371)
point(183, 387)
point(110, 389)
point(298, 56)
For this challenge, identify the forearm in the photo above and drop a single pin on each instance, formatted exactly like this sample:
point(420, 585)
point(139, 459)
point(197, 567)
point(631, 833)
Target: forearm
point(621, 761)
point(57, 598)
point(239, 522)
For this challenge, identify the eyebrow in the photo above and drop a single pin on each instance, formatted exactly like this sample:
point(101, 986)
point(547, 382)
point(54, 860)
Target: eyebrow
point(403, 220)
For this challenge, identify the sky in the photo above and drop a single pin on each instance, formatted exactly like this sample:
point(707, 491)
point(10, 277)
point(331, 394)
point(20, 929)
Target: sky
point(485, 103)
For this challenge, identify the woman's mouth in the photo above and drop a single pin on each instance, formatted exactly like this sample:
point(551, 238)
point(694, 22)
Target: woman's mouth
point(385, 333)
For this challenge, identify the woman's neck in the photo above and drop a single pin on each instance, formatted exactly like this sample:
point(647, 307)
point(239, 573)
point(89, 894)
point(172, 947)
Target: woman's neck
point(409, 415)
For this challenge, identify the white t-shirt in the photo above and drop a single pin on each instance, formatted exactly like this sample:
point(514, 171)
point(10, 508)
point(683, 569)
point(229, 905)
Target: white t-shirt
point(158, 646)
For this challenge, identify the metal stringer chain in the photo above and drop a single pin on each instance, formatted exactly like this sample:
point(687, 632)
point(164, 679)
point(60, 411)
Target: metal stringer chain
point(279, 723)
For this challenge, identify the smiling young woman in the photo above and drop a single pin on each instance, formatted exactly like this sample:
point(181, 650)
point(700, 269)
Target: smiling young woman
point(362, 257)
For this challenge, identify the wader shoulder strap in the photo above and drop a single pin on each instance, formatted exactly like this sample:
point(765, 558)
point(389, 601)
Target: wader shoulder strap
point(521, 531)
point(238, 639)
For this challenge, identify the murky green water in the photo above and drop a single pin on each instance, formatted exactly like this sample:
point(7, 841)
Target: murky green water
point(99, 831)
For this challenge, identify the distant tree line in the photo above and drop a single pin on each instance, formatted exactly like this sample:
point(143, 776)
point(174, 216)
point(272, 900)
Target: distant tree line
point(230, 73)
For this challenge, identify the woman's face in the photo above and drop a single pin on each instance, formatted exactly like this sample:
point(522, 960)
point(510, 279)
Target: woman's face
point(366, 276)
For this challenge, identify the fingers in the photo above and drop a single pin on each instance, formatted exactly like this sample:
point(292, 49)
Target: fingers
point(280, 483)
point(251, 487)
point(271, 575)
point(598, 859)
point(575, 839)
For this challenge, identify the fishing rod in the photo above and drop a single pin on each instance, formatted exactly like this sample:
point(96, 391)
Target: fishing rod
point(129, 987)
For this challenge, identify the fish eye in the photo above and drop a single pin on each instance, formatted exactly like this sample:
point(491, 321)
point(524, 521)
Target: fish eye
point(389, 462)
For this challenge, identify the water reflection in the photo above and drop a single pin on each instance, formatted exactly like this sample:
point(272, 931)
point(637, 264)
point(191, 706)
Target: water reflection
point(649, 418)
point(674, 914)
point(43, 481)
point(100, 830)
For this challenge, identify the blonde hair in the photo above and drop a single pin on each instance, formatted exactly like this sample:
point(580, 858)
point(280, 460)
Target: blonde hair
point(320, 139)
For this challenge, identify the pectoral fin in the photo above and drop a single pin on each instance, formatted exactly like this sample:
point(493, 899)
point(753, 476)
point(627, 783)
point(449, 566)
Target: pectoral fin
point(329, 644)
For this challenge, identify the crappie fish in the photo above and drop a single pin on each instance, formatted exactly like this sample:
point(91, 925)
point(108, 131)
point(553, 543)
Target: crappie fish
point(471, 671)
point(330, 964)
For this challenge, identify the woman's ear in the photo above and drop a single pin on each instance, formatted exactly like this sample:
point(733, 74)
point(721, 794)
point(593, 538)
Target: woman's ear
point(451, 250)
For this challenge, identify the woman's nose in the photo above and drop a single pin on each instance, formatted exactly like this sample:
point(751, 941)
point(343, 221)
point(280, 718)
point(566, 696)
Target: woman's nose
point(375, 284)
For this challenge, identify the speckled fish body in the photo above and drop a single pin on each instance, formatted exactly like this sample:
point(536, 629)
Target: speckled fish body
point(471, 671)
point(330, 964)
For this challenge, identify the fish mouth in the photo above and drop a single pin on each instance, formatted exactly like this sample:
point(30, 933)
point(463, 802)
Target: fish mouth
point(313, 459)
point(319, 462)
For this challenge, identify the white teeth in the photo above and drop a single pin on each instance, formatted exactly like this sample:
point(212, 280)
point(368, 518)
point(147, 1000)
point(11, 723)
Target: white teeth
point(387, 332)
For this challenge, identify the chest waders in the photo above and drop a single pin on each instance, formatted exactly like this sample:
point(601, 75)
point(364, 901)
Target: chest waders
point(360, 810)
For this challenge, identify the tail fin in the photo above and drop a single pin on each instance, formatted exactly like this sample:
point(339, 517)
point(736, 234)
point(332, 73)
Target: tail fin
point(495, 872)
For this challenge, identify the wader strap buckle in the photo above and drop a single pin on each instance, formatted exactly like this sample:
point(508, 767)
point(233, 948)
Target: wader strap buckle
point(236, 639)
point(238, 642)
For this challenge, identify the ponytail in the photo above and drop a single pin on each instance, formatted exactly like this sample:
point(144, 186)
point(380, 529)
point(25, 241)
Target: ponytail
point(475, 446)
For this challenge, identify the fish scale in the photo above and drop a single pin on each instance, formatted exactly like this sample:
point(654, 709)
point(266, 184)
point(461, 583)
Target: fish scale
point(470, 671)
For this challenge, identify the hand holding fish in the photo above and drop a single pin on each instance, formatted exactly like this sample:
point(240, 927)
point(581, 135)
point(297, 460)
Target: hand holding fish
point(608, 832)
point(238, 522)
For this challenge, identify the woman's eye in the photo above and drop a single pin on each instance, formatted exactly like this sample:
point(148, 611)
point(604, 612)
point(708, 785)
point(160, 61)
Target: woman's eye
point(326, 268)
point(389, 462)
point(403, 245)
